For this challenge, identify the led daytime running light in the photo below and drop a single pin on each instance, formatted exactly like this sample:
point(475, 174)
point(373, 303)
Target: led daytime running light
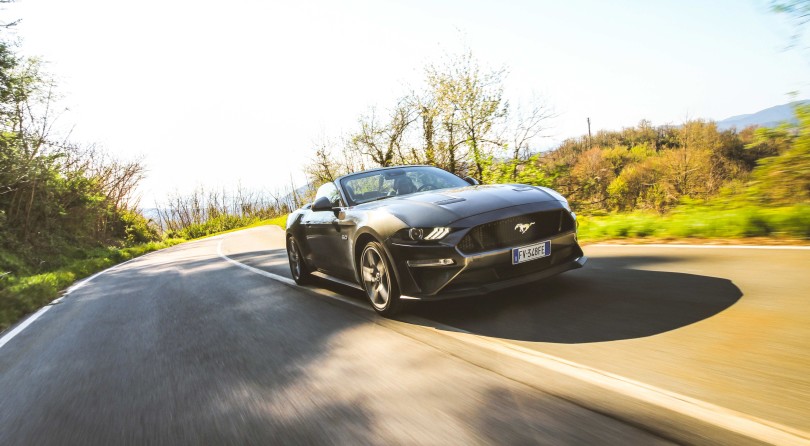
point(437, 233)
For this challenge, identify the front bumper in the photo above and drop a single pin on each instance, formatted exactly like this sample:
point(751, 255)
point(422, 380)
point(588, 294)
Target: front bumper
point(478, 273)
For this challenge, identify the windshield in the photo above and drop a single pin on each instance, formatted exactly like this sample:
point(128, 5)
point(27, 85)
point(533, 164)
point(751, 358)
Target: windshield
point(370, 186)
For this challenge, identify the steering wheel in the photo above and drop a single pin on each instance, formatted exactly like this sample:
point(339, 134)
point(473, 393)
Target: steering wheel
point(426, 187)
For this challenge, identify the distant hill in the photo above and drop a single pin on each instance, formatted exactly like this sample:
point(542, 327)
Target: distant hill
point(770, 117)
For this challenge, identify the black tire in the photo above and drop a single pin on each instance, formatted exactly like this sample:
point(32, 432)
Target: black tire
point(298, 267)
point(379, 281)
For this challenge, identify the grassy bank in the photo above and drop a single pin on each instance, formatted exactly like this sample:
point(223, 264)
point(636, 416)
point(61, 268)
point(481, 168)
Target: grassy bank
point(791, 222)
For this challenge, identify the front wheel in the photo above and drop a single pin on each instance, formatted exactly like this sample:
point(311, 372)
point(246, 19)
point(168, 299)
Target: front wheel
point(379, 281)
point(298, 268)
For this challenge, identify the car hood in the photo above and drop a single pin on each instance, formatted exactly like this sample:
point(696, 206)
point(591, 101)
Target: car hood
point(442, 207)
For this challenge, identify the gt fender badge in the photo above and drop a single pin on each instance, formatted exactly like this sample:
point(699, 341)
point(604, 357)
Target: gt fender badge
point(523, 227)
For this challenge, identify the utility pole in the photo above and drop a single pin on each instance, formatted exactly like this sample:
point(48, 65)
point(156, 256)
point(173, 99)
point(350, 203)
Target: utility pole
point(589, 132)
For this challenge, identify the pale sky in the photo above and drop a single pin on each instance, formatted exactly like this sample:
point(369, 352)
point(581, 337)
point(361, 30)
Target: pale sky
point(221, 93)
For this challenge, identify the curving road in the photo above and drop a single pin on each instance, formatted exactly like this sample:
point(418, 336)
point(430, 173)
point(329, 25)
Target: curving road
point(202, 344)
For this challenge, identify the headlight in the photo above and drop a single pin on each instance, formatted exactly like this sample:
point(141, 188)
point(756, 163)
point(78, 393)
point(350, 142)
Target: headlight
point(556, 195)
point(418, 234)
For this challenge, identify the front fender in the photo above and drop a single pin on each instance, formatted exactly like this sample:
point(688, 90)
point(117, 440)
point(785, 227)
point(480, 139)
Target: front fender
point(379, 227)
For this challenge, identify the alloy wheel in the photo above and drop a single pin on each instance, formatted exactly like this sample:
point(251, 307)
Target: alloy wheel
point(296, 263)
point(376, 277)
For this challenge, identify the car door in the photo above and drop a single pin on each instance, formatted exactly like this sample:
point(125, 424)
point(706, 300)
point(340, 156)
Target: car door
point(327, 236)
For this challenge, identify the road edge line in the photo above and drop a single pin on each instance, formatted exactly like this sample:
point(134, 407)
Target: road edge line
point(285, 280)
point(724, 418)
point(75, 286)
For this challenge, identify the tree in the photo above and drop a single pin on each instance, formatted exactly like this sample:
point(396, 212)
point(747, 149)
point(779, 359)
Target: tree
point(323, 168)
point(593, 173)
point(527, 127)
point(428, 113)
point(470, 101)
point(382, 142)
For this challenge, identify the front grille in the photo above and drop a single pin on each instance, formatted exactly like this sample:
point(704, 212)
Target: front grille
point(473, 278)
point(505, 233)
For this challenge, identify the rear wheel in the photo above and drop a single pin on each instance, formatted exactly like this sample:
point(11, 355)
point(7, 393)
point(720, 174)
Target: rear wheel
point(298, 268)
point(379, 281)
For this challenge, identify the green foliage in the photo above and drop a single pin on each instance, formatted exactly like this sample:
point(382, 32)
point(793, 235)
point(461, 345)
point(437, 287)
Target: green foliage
point(655, 169)
point(280, 221)
point(771, 141)
point(785, 178)
point(704, 186)
point(54, 195)
point(138, 229)
point(214, 225)
point(516, 171)
point(700, 221)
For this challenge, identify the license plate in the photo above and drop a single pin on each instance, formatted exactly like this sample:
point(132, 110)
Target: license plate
point(531, 252)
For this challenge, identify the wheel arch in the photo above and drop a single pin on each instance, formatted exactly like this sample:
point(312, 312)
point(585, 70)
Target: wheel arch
point(360, 242)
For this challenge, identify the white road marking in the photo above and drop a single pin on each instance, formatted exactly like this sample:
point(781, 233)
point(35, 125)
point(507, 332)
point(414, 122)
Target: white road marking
point(30, 320)
point(728, 419)
point(664, 245)
point(10, 335)
point(261, 272)
point(286, 280)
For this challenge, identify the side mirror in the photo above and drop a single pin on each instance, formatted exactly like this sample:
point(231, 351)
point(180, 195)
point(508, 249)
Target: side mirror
point(322, 204)
point(472, 181)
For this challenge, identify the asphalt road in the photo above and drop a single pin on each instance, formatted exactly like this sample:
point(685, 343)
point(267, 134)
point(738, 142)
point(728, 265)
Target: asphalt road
point(183, 347)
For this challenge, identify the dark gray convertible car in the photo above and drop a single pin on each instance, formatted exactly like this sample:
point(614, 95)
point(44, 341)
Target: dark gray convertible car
point(421, 233)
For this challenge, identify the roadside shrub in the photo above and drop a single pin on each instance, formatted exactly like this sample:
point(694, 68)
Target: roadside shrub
point(138, 229)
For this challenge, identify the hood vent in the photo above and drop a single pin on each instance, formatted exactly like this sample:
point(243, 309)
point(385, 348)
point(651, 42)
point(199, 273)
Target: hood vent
point(450, 201)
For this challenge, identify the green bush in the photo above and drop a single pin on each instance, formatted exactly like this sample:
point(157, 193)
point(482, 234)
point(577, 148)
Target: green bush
point(138, 229)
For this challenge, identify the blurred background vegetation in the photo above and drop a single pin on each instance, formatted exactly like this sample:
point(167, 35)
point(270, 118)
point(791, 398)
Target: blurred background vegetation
point(668, 181)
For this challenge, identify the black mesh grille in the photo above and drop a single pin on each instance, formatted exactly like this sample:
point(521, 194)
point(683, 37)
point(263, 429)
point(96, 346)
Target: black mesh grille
point(507, 232)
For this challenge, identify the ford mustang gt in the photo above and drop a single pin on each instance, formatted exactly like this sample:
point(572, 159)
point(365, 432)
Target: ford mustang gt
point(421, 233)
